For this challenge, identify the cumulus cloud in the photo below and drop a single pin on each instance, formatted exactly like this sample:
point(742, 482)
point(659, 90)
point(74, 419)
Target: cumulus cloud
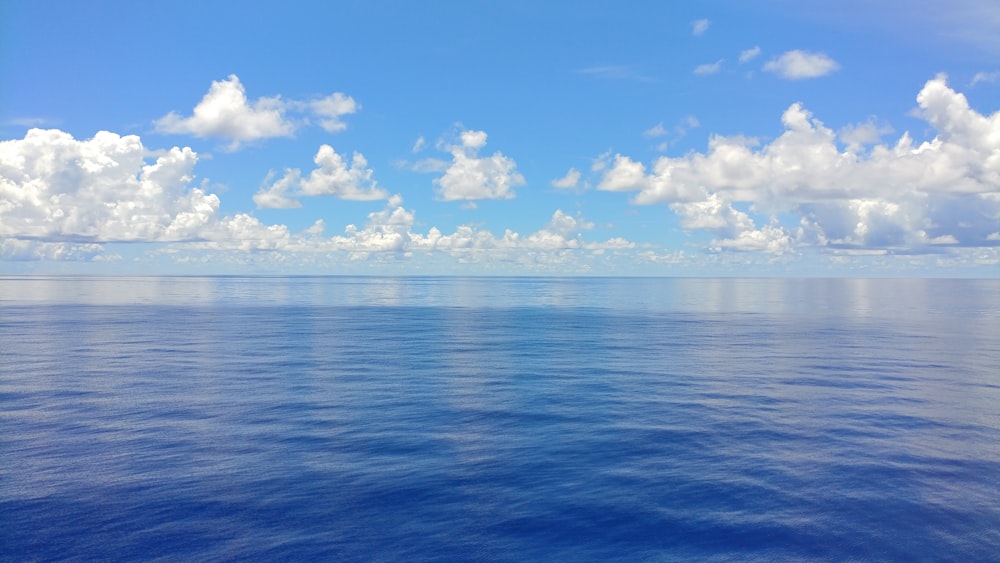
point(699, 27)
point(470, 177)
point(57, 190)
point(798, 65)
point(859, 135)
point(736, 229)
point(331, 108)
point(848, 190)
point(226, 113)
point(563, 233)
point(390, 232)
point(65, 199)
point(569, 181)
point(332, 176)
point(18, 250)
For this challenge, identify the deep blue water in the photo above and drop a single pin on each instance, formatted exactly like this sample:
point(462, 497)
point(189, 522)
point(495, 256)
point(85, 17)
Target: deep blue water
point(499, 419)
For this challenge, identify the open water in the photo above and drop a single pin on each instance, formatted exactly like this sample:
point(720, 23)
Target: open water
point(509, 419)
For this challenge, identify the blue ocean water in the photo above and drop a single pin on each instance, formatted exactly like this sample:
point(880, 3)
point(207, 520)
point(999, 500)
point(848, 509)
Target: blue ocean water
point(510, 419)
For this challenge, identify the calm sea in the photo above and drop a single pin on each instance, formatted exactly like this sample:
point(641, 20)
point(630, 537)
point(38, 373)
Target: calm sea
point(514, 419)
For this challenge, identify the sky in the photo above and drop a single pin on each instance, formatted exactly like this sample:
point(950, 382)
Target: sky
point(717, 138)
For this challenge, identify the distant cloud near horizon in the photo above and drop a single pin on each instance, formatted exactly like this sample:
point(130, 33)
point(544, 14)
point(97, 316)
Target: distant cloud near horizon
point(699, 27)
point(855, 195)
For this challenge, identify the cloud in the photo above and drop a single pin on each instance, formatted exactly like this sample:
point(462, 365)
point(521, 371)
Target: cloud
point(562, 233)
point(429, 165)
point(569, 181)
point(855, 193)
point(19, 250)
point(657, 130)
point(737, 230)
point(65, 199)
point(709, 68)
point(470, 177)
point(859, 135)
point(226, 113)
point(988, 77)
point(676, 133)
point(798, 65)
point(31, 122)
point(279, 195)
point(331, 108)
point(332, 176)
point(749, 54)
point(390, 232)
point(58, 191)
point(699, 27)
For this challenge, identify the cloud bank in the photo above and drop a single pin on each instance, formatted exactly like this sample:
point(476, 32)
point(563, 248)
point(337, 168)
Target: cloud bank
point(848, 191)
point(64, 199)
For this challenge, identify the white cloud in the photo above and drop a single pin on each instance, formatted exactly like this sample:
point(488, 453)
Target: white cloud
point(798, 65)
point(64, 199)
point(859, 135)
point(569, 181)
point(470, 177)
point(226, 113)
point(55, 189)
point(624, 175)
point(33, 250)
point(699, 27)
point(331, 108)
point(429, 165)
point(389, 232)
point(709, 68)
point(657, 130)
point(749, 54)
point(567, 225)
point(332, 176)
point(738, 230)
point(419, 144)
point(678, 131)
point(601, 162)
point(944, 191)
point(282, 194)
point(985, 77)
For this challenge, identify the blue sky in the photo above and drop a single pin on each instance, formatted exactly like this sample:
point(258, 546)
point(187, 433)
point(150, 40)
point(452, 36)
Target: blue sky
point(527, 138)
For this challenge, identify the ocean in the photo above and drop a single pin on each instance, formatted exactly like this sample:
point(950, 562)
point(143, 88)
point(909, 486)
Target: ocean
point(499, 419)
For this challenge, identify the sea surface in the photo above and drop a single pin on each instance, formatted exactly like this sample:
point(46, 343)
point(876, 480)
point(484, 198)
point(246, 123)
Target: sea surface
point(499, 419)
